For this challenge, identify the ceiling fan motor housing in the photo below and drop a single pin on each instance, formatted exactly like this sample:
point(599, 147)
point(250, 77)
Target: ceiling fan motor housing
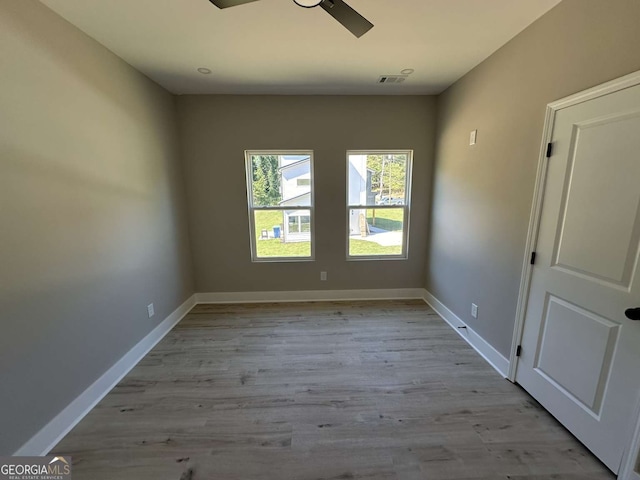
point(308, 3)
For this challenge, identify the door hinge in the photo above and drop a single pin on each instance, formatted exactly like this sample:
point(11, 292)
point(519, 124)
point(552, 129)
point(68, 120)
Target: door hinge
point(533, 258)
point(519, 350)
point(549, 149)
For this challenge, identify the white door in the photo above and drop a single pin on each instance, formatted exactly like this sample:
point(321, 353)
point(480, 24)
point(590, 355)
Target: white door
point(580, 353)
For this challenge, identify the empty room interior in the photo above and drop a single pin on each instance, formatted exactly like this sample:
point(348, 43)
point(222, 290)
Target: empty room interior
point(310, 239)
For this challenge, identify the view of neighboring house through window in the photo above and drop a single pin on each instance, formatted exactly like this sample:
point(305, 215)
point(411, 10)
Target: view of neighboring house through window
point(280, 196)
point(378, 185)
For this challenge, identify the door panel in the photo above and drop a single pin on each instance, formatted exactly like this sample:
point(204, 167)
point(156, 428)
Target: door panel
point(597, 235)
point(580, 354)
point(575, 351)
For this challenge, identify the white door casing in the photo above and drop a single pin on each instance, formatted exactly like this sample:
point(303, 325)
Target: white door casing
point(631, 463)
point(580, 354)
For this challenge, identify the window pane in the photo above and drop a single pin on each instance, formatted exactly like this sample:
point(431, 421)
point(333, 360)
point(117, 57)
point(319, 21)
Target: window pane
point(376, 231)
point(283, 233)
point(281, 180)
point(377, 179)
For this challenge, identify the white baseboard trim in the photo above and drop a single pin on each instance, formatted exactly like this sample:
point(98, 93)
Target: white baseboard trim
point(479, 344)
point(47, 438)
point(311, 296)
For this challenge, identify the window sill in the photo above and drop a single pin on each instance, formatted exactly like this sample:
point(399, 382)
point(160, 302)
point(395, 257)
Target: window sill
point(283, 260)
point(376, 258)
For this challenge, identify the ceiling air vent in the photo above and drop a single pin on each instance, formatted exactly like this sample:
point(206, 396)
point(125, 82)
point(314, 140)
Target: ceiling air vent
point(392, 78)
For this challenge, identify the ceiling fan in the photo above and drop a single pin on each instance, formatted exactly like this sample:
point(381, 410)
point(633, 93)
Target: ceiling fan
point(338, 9)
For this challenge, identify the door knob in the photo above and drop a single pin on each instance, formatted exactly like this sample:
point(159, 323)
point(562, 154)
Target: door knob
point(633, 313)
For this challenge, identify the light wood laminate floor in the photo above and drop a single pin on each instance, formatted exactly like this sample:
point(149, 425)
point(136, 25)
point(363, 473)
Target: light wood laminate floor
point(320, 391)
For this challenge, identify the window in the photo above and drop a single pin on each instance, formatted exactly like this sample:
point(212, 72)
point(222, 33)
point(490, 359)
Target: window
point(378, 197)
point(280, 199)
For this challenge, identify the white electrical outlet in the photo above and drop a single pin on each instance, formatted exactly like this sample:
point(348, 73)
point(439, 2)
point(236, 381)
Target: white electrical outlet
point(473, 137)
point(323, 276)
point(150, 310)
point(474, 310)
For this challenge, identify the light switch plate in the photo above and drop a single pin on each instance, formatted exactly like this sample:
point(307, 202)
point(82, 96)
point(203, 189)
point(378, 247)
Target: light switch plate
point(473, 137)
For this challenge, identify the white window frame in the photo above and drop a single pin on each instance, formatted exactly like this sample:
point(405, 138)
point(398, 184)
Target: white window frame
point(404, 255)
point(251, 209)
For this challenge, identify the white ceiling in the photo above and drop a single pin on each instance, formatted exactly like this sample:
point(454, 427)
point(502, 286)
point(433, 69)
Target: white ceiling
point(277, 47)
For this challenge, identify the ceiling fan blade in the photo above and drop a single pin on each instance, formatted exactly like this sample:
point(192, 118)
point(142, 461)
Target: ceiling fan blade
point(229, 3)
point(347, 16)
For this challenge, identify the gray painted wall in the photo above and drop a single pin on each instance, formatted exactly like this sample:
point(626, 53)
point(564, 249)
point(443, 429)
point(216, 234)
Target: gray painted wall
point(482, 194)
point(215, 131)
point(92, 214)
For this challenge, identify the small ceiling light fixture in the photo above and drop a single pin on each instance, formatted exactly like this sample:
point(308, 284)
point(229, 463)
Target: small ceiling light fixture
point(204, 70)
point(407, 71)
point(308, 3)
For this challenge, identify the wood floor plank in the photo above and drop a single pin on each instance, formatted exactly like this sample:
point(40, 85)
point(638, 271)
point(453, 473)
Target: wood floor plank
point(319, 391)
